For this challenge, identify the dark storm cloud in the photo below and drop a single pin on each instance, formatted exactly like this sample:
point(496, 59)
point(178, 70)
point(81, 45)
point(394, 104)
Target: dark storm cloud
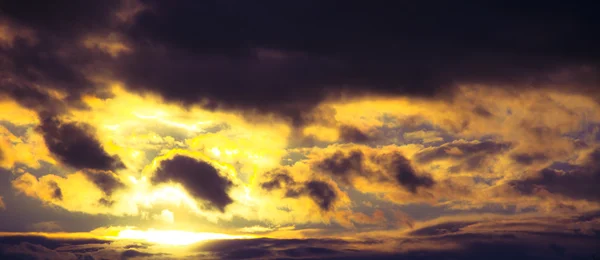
point(277, 48)
point(343, 165)
point(390, 167)
point(57, 192)
point(284, 57)
point(107, 181)
point(403, 171)
point(199, 178)
point(75, 145)
point(59, 16)
point(351, 134)
point(528, 159)
point(321, 193)
point(461, 150)
point(575, 181)
point(32, 98)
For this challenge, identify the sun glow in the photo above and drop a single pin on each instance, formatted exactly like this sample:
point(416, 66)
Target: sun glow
point(174, 237)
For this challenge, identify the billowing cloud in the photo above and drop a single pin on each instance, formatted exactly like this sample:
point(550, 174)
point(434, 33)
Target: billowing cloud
point(351, 134)
point(107, 181)
point(407, 134)
point(74, 145)
point(199, 178)
point(576, 181)
point(528, 237)
point(283, 77)
point(387, 167)
point(56, 191)
point(320, 192)
point(461, 150)
point(527, 159)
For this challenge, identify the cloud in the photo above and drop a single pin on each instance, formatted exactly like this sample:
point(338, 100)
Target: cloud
point(385, 167)
point(576, 182)
point(464, 155)
point(107, 181)
point(320, 192)
point(403, 171)
point(527, 159)
point(351, 134)
point(393, 112)
point(46, 226)
point(465, 237)
point(460, 149)
point(280, 76)
point(74, 145)
point(73, 192)
point(201, 179)
point(57, 192)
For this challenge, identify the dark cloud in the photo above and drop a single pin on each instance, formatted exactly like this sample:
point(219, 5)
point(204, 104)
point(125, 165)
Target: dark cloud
point(574, 181)
point(51, 243)
point(57, 192)
point(131, 253)
point(403, 171)
point(477, 239)
point(59, 15)
point(199, 178)
point(390, 167)
point(107, 181)
point(461, 149)
point(39, 247)
point(351, 134)
point(322, 193)
point(278, 180)
point(528, 159)
point(361, 47)
point(106, 202)
point(286, 57)
point(75, 145)
point(482, 111)
point(487, 238)
point(442, 228)
point(343, 165)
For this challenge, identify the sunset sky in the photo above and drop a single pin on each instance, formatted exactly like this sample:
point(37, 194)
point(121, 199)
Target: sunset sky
point(228, 129)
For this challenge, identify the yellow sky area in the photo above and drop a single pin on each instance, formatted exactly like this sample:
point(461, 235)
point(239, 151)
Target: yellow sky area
point(143, 130)
point(558, 111)
point(127, 125)
point(29, 149)
point(457, 187)
point(14, 113)
point(77, 192)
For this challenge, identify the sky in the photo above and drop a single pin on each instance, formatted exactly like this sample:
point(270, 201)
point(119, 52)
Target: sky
point(229, 129)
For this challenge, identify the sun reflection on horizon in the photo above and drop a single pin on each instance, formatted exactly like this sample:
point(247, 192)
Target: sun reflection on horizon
point(174, 237)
